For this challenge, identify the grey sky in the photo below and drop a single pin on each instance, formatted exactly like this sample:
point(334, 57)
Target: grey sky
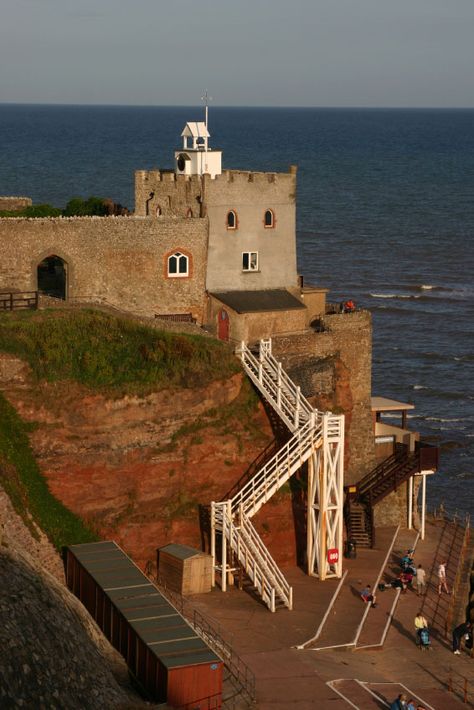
point(246, 52)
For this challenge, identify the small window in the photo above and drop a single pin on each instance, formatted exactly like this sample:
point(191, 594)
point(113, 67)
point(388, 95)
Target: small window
point(158, 211)
point(232, 220)
point(189, 212)
point(269, 219)
point(250, 261)
point(178, 265)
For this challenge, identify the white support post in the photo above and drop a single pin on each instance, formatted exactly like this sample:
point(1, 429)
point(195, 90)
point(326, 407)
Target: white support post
point(309, 515)
point(410, 503)
point(230, 576)
point(224, 554)
point(297, 406)
point(423, 505)
point(279, 386)
point(213, 543)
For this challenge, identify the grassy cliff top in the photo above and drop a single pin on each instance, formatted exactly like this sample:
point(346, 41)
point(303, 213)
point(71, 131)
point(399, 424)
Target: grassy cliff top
point(115, 355)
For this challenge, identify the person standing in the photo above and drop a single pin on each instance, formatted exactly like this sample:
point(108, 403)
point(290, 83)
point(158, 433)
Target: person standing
point(420, 581)
point(458, 633)
point(442, 583)
point(420, 623)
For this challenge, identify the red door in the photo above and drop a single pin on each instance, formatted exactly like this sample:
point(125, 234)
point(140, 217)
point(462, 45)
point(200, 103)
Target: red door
point(223, 325)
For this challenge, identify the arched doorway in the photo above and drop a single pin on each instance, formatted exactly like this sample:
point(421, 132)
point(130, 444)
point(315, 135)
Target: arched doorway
point(52, 277)
point(223, 325)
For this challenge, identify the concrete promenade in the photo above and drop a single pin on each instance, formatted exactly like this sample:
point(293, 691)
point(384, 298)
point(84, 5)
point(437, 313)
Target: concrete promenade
point(287, 677)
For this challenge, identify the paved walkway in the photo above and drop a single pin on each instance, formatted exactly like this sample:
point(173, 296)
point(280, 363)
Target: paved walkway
point(287, 677)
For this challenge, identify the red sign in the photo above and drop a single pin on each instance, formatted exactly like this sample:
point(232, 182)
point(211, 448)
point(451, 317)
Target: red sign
point(333, 556)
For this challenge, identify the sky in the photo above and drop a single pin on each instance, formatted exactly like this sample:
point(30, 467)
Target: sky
point(410, 53)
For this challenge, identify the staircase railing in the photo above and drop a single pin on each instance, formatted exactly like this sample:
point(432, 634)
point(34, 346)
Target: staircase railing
point(276, 386)
point(253, 557)
point(278, 470)
point(231, 518)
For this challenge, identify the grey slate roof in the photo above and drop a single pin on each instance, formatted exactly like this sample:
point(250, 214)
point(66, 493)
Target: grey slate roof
point(153, 618)
point(182, 552)
point(259, 301)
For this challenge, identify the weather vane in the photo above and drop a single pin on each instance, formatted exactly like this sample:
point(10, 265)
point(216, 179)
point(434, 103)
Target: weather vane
point(206, 98)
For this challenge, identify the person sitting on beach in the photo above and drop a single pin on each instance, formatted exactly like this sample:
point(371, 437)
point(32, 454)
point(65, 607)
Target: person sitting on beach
point(407, 560)
point(407, 578)
point(367, 596)
point(400, 583)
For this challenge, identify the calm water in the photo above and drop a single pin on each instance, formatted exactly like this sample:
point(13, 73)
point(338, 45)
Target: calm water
point(385, 216)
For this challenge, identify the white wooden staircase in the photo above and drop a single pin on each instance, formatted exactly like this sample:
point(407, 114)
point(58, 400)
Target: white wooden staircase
point(230, 520)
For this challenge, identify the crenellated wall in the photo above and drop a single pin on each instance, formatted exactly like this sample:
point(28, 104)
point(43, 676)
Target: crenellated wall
point(121, 261)
point(14, 204)
point(249, 195)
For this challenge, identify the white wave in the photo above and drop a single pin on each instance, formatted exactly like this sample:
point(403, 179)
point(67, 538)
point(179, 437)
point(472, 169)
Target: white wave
point(442, 419)
point(420, 387)
point(426, 287)
point(393, 295)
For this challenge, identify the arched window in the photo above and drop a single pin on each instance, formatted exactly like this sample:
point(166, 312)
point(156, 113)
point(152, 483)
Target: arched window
point(158, 211)
point(178, 265)
point(231, 219)
point(269, 219)
point(189, 212)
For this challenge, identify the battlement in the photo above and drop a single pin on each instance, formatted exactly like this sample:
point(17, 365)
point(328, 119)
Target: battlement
point(14, 204)
point(228, 176)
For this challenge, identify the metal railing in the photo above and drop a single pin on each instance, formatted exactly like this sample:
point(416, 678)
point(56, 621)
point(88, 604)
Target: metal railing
point(460, 685)
point(211, 633)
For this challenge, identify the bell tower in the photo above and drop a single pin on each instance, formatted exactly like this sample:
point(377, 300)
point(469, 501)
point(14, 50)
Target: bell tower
point(196, 158)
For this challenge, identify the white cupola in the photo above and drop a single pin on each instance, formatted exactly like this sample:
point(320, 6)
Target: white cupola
point(196, 158)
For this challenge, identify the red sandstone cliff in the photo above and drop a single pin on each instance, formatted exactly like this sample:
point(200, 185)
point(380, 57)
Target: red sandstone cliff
point(137, 468)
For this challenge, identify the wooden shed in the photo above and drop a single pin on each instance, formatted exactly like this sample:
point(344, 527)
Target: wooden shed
point(184, 569)
point(168, 659)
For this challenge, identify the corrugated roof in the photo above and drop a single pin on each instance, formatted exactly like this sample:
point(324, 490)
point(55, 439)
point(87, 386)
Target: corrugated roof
point(259, 301)
point(153, 618)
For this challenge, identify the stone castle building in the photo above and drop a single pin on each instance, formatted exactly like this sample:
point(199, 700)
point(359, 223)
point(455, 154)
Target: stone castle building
point(216, 247)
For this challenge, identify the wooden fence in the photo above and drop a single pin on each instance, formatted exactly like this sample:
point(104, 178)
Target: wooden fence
point(12, 301)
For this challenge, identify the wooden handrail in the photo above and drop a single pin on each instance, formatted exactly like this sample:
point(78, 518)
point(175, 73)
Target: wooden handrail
point(13, 300)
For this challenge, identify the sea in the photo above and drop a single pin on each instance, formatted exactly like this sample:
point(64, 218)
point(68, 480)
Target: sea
point(385, 217)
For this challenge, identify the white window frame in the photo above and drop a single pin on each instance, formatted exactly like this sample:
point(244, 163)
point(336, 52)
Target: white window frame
point(178, 275)
point(250, 261)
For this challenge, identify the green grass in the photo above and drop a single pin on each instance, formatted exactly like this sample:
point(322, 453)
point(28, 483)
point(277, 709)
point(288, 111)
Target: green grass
point(111, 354)
point(26, 487)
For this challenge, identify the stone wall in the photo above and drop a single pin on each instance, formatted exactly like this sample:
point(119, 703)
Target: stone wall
point(249, 194)
point(121, 261)
point(251, 327)
point(333, 369)
point(14, 204)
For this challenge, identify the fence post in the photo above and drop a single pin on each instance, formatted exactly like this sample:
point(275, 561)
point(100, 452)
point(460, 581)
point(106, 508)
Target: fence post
point(11, 301)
